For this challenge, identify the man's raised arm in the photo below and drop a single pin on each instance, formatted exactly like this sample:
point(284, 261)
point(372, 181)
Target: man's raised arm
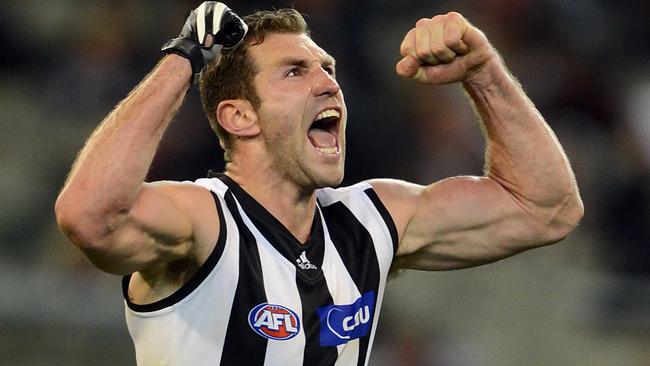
point(527, 197)
point(121, 223)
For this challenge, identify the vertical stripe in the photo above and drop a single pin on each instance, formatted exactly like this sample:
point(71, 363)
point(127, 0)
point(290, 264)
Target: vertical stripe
point(369, 260)
point(226, 270)
point(242, 346)
point(228, 285)
point(315, 294)
point(383, 243)
point(281, 289)
point(343, 290)
point(388, 220)
point(209, 10)
point(354, 244)
point(200, 22)
point(217, 15)
point(348, 353)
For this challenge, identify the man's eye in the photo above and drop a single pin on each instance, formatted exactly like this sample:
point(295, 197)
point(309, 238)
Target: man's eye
point(296, 71)
point(330, 70)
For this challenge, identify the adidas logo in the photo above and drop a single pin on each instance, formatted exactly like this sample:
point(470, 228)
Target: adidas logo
point(303, 262)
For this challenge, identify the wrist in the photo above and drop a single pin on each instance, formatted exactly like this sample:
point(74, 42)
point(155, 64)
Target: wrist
point(178, 67)
point(187, 49)
point(492, 72)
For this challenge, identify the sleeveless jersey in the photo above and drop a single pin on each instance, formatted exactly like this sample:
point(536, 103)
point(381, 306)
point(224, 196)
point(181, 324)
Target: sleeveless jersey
point(264, 298)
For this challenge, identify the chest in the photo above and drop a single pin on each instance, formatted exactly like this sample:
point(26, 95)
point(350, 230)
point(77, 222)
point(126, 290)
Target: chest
point(325, 290)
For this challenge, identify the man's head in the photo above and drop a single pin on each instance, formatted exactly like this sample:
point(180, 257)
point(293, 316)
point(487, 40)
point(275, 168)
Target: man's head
point(232, 77)
point(277, 95)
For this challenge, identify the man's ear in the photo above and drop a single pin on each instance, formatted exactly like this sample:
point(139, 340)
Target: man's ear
point(238, 117)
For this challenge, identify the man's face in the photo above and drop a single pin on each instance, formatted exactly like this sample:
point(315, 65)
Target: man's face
point(302, 113)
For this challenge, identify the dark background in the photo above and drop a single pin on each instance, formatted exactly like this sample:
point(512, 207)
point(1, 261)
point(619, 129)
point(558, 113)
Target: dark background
point(585, 301)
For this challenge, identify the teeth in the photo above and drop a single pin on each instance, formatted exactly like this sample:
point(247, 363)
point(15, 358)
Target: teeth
point(328, 150)
point(328, 113)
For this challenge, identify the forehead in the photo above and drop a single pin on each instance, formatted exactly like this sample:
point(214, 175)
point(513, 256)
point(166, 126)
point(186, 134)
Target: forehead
point(279, 47)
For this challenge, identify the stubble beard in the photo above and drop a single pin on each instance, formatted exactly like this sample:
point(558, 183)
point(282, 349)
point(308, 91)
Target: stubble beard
point(306, 175)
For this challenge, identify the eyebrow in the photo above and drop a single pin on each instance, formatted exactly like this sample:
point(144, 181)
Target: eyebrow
point(325, 61)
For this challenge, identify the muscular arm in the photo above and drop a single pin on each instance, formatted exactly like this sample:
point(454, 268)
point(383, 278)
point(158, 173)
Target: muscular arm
point(121, 223)
point(528, 195)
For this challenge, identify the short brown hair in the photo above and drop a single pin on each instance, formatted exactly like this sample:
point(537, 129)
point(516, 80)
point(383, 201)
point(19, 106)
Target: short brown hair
point(232, 77)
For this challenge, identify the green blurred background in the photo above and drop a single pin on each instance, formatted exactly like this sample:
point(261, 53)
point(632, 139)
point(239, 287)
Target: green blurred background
point(585, 301)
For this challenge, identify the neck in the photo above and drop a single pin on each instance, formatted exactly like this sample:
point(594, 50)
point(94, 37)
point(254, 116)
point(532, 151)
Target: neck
point(292, 205)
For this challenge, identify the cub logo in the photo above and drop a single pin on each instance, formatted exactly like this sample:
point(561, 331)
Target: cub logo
point(342, 323)
point(274, 321)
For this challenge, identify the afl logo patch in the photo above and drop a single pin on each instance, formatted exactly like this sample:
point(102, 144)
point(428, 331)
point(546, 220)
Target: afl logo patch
point(274, 321)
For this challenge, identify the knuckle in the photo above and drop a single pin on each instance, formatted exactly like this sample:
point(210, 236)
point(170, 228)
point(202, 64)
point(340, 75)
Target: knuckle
point(404, 48)
point(407, 42)
point(452, 15)
point(452, 41)
point(423, 53)
point(422, 22)
point(439, 50)
point(443, 54)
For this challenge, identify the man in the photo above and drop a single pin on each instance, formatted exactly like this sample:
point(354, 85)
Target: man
point(265, 264)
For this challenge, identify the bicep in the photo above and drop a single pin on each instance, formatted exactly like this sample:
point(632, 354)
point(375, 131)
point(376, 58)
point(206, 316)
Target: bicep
point(459, 222)
point(159, 227)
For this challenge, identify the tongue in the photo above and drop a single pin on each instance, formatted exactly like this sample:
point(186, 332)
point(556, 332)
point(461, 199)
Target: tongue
point(321, 138)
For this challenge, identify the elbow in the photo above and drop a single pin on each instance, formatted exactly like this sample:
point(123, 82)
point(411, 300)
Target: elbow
point(93, 232)
point(564, 219)
point(80, 225)
point(66, 218)
point(577, 209)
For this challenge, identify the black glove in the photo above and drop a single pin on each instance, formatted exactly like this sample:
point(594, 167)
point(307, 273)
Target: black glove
point(213, 18)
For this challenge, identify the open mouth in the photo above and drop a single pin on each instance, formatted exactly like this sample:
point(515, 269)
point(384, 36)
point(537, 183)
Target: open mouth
point(323, 132)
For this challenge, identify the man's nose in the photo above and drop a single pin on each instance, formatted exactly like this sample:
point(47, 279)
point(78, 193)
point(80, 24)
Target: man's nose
point(324, 83)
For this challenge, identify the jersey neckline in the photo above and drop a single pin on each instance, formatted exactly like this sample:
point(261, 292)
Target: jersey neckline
point(279, 236)
point(263, 217)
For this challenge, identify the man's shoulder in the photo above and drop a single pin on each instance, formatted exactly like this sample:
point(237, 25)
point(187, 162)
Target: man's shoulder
point(329, 195)
point(364, 204)
point(213, 184)
point(188, 195)
point(177, 188)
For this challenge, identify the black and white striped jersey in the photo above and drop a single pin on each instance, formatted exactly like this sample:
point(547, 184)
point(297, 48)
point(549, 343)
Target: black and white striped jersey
point(263, 298)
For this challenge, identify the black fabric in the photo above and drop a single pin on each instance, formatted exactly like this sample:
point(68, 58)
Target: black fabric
point(312, 296)
point(388, 219)
point(280, 237)
point(355, 246)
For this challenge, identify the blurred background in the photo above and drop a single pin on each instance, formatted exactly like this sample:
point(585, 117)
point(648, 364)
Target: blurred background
point(585, 301)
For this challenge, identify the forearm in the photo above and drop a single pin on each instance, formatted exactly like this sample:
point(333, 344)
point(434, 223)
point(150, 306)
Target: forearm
point(112, 166)
point(523, 154)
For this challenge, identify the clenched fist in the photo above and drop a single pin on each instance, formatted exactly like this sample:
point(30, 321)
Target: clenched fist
point(208, 29)
point(443, 49)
